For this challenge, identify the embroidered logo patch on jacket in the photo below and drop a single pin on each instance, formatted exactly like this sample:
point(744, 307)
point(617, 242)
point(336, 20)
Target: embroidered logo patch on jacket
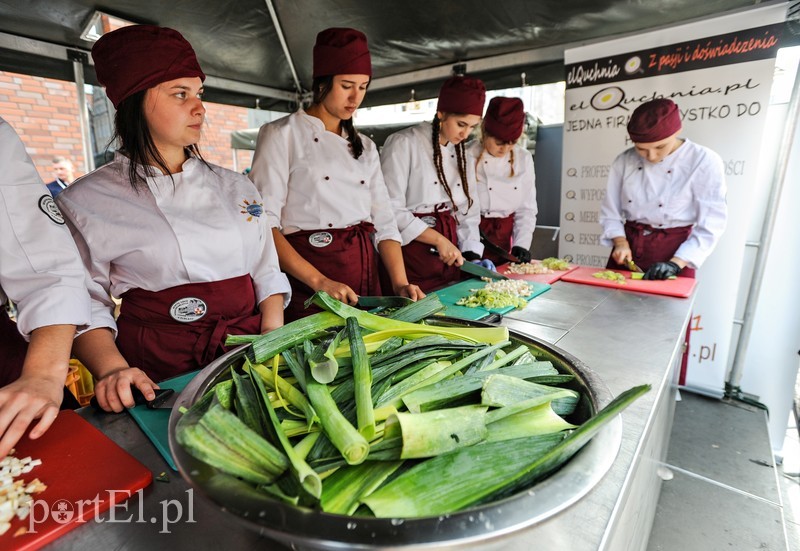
point(252, 209)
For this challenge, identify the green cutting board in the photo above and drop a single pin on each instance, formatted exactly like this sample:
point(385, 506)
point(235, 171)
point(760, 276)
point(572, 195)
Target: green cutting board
point(154, 422)
point(452, 294)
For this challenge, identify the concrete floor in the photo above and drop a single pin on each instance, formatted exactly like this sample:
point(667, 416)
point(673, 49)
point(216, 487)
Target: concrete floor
point(721, 488)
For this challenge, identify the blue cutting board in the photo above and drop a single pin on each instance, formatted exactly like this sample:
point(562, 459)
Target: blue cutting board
point(154, 422)
point(452, 294)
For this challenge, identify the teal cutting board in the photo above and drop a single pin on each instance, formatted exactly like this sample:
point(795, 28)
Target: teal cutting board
point(154, 422)
point(452, 294)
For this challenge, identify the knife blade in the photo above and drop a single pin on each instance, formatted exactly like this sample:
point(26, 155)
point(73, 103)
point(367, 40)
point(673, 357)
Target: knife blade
point(480, 271)
point(497, 249)
point(385, 302)
point(633, 267)
point(475, 269)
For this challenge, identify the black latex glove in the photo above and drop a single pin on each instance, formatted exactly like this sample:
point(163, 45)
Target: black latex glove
point(470, 255)
point(523, 255)
point(662, 270)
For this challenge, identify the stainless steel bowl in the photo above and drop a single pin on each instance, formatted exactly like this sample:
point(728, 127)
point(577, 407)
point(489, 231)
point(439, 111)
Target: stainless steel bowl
point(313, 529)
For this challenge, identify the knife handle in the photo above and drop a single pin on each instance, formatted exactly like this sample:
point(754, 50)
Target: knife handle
point(138, 398)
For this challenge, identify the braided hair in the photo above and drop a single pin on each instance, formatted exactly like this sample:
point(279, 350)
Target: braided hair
point(322, 87)
point(461, 157)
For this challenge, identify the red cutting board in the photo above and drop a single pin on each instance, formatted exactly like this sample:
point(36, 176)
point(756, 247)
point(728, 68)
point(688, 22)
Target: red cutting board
point(680, 287)
point(538, 278)
point(85, 473)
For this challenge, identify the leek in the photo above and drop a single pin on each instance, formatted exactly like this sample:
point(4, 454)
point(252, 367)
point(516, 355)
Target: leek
point(437, 432)
point(362, 379)
point(419, 310)
point(502, 390)
point(445, 392)
point(344, 489)
point(475, 474)
point(303, 473)
point(287, 391)
point(287, 336)
point(378, 323)
point(540, 419)
point(421, 378)
point(350, 443)
point(323, 363)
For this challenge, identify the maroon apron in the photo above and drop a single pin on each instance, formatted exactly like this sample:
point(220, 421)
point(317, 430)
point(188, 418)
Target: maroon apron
point(499, 231)
point(346, 255)
point(183, 328)
point(424, 268)
point(650, 245)
point(12, 349)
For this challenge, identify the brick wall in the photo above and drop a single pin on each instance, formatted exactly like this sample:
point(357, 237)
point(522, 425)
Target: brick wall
point(215, 146)
point(44, 112)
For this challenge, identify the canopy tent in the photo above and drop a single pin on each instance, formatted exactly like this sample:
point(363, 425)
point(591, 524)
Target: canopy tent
point(258, 52)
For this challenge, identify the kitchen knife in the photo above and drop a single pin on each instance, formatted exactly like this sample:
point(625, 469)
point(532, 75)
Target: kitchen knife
point(480, 271)
point(633, 267)
point(383, 302)
point(475, 269)
point(498, 250)
point(165, 399)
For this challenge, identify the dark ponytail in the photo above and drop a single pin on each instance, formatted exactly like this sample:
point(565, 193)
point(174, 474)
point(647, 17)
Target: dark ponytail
point(461, 157)
point(322, 87)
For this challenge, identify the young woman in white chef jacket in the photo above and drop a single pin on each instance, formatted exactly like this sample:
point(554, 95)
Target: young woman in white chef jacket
point(323, 187)
point(432, 186)
point(40, 270)
point(183, 243)
point(665, 206)
point(505, 180)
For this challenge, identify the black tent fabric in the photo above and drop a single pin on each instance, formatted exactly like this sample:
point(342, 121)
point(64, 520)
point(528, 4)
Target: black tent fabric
point(259, 51)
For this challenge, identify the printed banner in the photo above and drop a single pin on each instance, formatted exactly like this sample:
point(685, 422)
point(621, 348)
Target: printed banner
point(719, 72)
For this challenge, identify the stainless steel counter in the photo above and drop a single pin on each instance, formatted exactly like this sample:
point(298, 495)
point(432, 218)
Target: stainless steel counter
point(627, 338)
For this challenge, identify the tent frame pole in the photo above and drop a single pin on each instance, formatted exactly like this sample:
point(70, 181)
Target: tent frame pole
point(778, 180)
point(78, 59)
point(279, 30)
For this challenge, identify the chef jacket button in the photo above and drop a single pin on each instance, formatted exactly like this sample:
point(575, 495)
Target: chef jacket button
point(362, 181)
point(330, 225)
point(459, 185)
point(629, 200)
point(435, 183)
point(515, 187)
point(660, 205)
point(316, 139)
point(640, 168)
point(490, 189)
point(669, 172)
point(486, 162)
point(452, 156)
point(327, 177)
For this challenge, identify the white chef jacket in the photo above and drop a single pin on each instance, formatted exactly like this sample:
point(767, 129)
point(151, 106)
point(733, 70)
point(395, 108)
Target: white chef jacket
point(310, 179)
point(501, 194)
point(686, 188)
point(204, 227)
point(40, 269)
point(413, 183)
